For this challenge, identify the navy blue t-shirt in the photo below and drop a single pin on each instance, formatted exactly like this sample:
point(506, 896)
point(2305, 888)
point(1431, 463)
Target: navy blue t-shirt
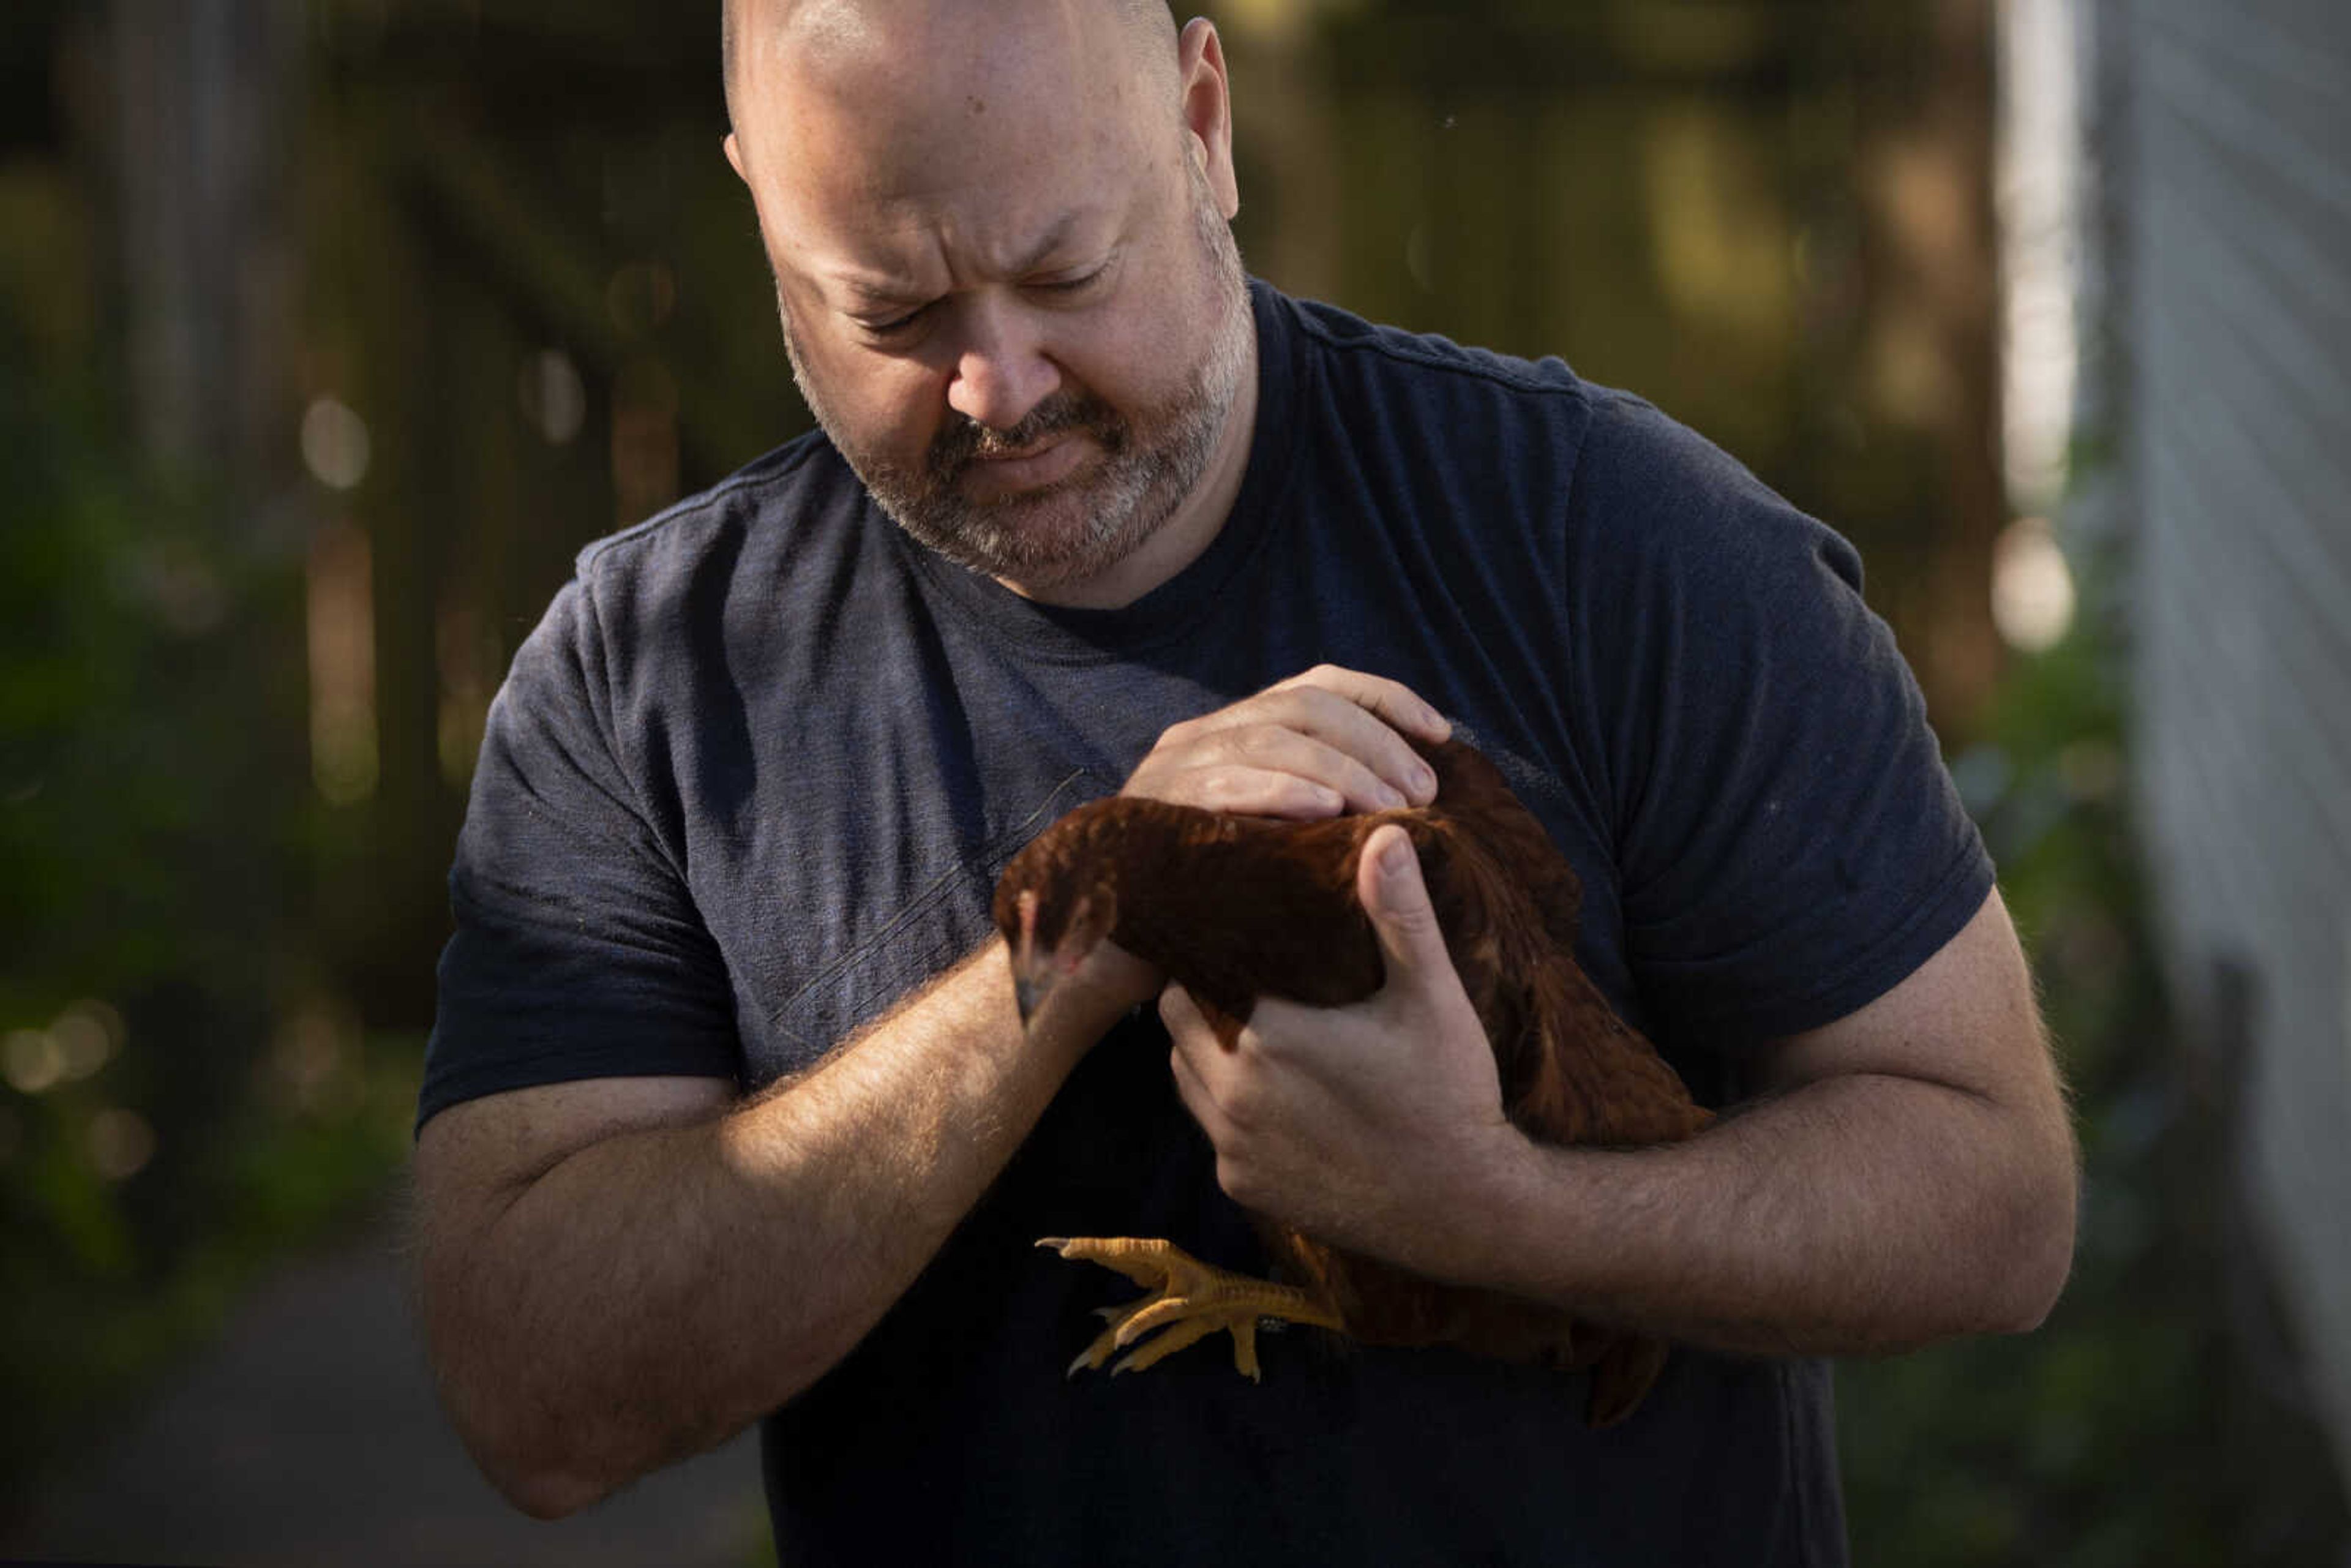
point(753, 778)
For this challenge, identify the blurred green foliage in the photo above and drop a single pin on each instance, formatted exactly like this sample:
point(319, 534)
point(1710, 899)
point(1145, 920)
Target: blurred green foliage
point(175, 1106)
point(2132, 1429)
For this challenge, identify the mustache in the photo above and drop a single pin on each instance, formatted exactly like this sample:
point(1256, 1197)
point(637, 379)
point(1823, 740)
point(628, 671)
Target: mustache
point(966, 439)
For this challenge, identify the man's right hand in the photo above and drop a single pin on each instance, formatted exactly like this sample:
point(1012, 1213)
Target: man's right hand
point(1320, 743)
point(1325, 741)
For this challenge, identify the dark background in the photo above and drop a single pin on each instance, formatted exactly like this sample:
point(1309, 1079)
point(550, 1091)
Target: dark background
point(329, 329)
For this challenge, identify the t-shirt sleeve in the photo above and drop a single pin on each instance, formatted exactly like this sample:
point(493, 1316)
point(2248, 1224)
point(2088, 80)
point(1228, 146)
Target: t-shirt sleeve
point(1790, 844)
point(578, 951)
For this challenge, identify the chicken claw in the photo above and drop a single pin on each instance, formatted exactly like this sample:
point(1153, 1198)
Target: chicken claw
point(1189, 1301)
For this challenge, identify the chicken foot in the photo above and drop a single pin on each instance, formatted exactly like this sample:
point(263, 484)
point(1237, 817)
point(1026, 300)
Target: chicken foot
point(1189, 1301)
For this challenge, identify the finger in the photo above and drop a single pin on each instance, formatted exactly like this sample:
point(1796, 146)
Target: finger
point(1353, 731)
point(1277, 752)
point(1239, 790)
point(1190, 1090)
point(1393, 702)
point(1364, 734)
point(1389, 883)
point(1188, 1028)
point(1201, 763)
point(1192, 1057)
point(1347, 765)
point(1213, 1061)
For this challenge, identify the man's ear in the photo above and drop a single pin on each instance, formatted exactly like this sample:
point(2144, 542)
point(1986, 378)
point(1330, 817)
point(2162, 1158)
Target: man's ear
point(1208, 108)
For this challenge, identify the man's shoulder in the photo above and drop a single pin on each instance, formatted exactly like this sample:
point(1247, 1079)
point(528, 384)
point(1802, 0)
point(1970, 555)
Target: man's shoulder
point(1608, 424)
point(650, 602)
point(1624, 470)
point(1373, 356)
point(802, 489)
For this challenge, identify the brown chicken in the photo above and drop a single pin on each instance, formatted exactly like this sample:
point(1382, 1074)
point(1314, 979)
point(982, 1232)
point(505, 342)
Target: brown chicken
point(1235, 908)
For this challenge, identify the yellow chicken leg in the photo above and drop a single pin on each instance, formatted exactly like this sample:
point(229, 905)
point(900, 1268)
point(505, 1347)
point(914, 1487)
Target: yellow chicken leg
point(1188, 1301)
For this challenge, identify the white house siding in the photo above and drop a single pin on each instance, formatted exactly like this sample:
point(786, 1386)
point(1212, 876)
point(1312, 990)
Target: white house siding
point(2230, 170)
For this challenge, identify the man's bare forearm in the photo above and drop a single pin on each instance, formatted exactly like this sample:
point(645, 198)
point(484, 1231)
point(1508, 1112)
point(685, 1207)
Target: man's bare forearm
point(1853, 1216)
point(652, 1292)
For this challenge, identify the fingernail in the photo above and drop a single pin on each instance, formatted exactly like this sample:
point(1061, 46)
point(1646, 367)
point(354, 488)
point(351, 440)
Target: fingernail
point(1423, 780)
point(1388, 799)
point(1393, 857)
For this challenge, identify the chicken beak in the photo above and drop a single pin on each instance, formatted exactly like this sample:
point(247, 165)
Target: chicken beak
point(1038, 969)
point(1029, 983)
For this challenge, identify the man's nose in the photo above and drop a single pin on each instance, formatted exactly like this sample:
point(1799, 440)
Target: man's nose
point(1002, 369)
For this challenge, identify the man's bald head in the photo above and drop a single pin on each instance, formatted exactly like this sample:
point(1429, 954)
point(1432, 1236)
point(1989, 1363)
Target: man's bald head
point(1005, 271)
point(1145, 27)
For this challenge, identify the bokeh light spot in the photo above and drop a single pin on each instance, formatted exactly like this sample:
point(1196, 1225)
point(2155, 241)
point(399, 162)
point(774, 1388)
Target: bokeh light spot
point(554, 399)
point(2031, 587)
point(32, 1061)
point(120, 1143)
point(88, 1034)
point(334, 444)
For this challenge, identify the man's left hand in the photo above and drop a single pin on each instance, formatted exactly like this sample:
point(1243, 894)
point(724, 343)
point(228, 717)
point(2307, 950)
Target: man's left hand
point(1370, 1126)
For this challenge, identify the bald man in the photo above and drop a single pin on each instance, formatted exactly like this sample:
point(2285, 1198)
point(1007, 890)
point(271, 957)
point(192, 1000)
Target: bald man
point(728, 1116)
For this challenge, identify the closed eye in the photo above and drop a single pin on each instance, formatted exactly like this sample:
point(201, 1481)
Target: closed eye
point(901, 326)
point(1076, 285)
point(896, 324)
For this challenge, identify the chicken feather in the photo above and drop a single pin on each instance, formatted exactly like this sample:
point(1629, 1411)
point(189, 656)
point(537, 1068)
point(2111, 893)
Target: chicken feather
point(1235, 908)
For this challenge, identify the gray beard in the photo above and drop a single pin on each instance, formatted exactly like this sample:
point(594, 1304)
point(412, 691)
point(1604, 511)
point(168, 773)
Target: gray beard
point(1084, 524)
